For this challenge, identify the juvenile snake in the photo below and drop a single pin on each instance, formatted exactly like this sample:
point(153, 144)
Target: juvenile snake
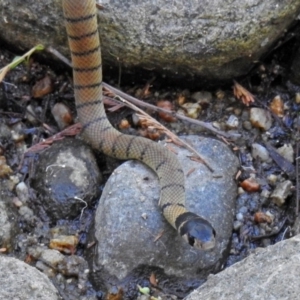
point(82, 31)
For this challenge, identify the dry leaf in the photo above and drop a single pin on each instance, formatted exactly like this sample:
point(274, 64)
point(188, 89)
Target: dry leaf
point(159, 236)
point(190, 172)
point(152, 279)
point(242, 94)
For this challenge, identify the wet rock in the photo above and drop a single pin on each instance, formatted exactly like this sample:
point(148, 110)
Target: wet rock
point(130, 229)
point(67, 178)
point(21, 281)
point(248, 280)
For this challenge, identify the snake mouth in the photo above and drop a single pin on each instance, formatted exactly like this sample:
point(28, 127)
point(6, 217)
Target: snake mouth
point(196, 231)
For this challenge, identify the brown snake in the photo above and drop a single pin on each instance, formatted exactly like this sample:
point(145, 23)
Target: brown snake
point(81, 24)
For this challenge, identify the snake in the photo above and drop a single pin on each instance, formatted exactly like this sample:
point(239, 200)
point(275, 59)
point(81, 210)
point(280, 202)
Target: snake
point(84, 43)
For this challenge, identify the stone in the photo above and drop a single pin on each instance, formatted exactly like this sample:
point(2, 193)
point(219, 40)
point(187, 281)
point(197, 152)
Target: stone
point(259, 151)
point(260, 118)
point(214, 39)
point(67, 178)
point(268, 273)
point(281, 192)
point(130, 230)
point(21, 281)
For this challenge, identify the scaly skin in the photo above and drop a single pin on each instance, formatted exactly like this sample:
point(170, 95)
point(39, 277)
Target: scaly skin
point(81, 25)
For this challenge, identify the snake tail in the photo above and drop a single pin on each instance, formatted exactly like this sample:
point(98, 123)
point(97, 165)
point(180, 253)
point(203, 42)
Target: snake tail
point(84, 43)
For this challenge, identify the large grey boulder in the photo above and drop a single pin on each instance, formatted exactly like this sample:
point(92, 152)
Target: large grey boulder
point(130, 230)
point(269, 273)
point(214, 39)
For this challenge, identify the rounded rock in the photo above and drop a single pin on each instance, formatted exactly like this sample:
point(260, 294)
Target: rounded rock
point(67, 178)
point(126, 240)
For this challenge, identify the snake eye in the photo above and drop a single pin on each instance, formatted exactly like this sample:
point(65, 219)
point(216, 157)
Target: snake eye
point(191, 240)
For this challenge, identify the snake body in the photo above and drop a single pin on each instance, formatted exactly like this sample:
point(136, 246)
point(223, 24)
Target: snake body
point(82, 31)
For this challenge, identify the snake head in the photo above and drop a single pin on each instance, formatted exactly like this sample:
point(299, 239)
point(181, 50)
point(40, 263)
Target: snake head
point(196, 231)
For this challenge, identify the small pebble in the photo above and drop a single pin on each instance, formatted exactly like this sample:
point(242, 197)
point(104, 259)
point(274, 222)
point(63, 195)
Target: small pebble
point(247, 125)
point(165, 104)
point(239, 216)
point(64, 243)
point(124, 124)
point(241, 191)
point(62, 115)
point(259, 151)
point(237, 111)
point(30, 115)
point(276, 106)
point(297, 98)
point(5, 169)
point(220, 94)
point(281, 192)
point(17, 132)
point(261, 217)
point(51, 257)
point(265, 193)
point(42, 87)
point(268, 213)
point(272, 179)
point(202, 97)
point(287, 152)
point(192, 109)
point(243, 209)
point(16, 201)
point(22, 192)
point(45, 269)
point(260, 118)
point(237, 225)
point(232, 122)
point(26, 213)
point(250, 185)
